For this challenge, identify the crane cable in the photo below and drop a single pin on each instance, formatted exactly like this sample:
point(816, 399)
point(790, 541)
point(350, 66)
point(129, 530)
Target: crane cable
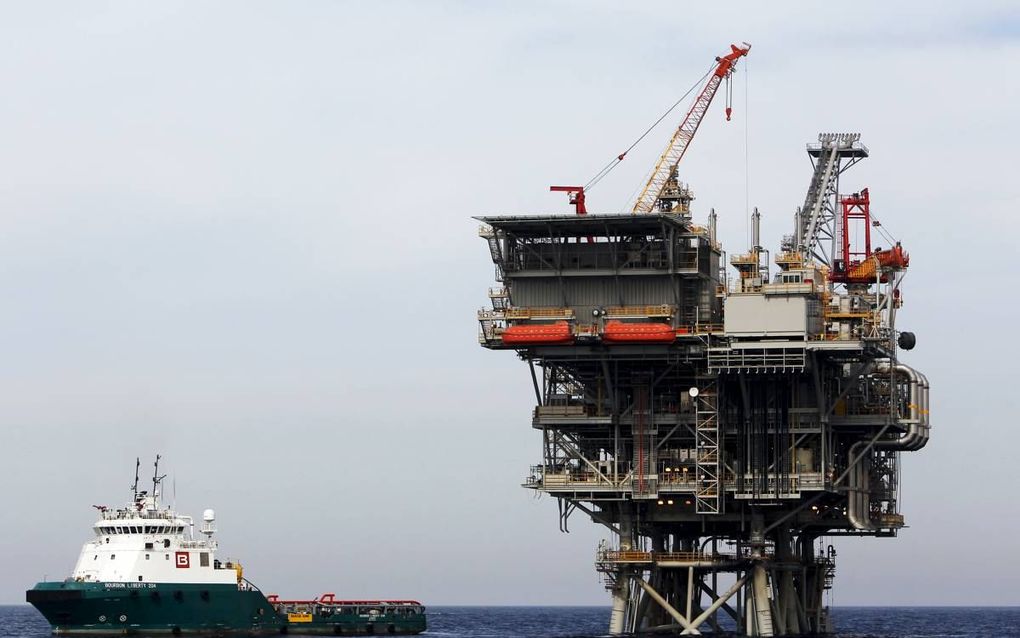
point(613, 163)
point(877, 225)
point(747, 155)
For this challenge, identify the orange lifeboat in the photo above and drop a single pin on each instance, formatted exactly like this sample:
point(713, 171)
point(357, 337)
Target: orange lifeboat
point(642, 332)
point(555, 333)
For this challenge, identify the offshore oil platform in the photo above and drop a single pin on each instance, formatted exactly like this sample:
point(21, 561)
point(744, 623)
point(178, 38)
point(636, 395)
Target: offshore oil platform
point(718, 426)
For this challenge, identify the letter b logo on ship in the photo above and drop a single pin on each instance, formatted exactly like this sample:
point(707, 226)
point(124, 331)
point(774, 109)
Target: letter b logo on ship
point(183, 560)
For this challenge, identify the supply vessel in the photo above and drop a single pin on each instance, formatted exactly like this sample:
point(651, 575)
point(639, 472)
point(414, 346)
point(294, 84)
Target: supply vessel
point(145, 572)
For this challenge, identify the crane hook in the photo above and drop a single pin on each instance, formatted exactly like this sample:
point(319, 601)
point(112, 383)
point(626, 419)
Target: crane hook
point(729, 96)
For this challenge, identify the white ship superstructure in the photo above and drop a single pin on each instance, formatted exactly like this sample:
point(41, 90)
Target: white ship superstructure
point(146, 542)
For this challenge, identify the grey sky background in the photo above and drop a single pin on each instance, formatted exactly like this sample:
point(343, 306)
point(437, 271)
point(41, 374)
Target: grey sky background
point(238, 234)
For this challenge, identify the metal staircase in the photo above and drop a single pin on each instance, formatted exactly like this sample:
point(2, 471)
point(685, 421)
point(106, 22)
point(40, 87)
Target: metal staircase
point(818, 215)
point(645, 481)
point(500, 298)
point(495, 250)
point(707, 498)
point(817, 219)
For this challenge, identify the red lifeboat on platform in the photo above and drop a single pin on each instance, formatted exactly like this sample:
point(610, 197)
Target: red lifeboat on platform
point(539, 334)
point(639, 332)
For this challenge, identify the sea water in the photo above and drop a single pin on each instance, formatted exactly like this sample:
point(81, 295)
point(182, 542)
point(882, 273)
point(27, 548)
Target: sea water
point(590, 622)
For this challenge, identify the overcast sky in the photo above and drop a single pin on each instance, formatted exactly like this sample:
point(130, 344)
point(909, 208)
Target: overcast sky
point(239, 234)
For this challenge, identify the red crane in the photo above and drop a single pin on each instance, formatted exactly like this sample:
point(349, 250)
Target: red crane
point(662, 188)
point(576, 195)
point(666, 166)
point(857, 264)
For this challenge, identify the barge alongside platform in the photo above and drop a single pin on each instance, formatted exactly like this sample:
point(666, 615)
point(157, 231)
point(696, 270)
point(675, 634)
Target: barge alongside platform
point(145, 573)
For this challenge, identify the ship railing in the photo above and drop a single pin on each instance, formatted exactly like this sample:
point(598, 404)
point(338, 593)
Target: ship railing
point(247, 585)
point(123, 514)
point(348, 607)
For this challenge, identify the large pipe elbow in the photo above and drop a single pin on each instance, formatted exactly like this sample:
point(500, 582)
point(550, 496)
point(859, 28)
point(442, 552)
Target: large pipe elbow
point(917, 418)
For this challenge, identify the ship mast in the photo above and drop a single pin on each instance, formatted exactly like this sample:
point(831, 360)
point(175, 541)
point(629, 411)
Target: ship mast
point(156, 480)
point(134, 488)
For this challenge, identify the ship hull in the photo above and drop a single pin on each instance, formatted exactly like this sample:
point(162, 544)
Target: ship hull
point(119, 609)
point(176, 609)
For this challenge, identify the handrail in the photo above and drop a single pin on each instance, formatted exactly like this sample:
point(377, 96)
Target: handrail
point(631, 556)
point(538, 312)
point(663, 310)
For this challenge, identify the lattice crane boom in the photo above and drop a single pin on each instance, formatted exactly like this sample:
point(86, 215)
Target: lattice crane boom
point(685, 133)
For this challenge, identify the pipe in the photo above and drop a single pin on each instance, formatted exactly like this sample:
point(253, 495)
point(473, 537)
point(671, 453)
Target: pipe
point(756, 230)
point(856, 493)
point(916, 437)
point(918, 420)
point(619, 612)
